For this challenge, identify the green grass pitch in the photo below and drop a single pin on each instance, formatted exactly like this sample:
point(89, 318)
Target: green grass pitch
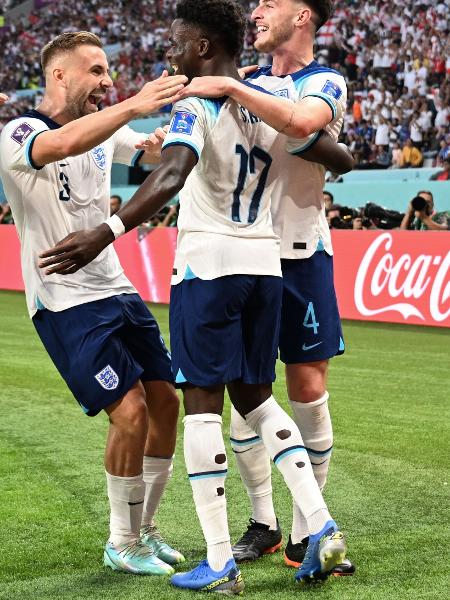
point(388, 484)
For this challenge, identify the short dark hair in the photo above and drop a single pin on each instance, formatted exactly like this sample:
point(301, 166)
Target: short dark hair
point(329, 194)
point(426, 192)
point(222, 18)
point(116, 196)
point(66, 42)
point(323, 10)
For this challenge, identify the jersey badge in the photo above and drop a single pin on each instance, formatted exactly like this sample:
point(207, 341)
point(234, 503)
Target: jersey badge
point(283, 93)
point(108, 378)
point(99, 156)
point(183, 122)
point(21, 133)
point(332, 89)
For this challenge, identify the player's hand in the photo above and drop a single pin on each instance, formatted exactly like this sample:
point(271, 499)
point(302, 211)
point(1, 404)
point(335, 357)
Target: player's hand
point(152, 145)
point(76, 250)
point(244, 71)
point(210, 86)
point(156, 94)
point(3, 98)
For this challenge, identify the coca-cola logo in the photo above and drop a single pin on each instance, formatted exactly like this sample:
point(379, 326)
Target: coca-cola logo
point(381, 276)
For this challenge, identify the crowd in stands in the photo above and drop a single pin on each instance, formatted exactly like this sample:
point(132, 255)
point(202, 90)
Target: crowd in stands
point(395, 57)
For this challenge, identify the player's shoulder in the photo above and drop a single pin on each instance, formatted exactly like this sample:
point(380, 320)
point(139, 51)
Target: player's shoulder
point(23, 126)
point(316, 72)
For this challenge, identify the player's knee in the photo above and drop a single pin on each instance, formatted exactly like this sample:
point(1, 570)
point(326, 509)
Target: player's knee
point(308, 393)
point(134, 416)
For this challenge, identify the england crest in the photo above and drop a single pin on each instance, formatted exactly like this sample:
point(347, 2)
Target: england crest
point(108, 378)
point(99, 156)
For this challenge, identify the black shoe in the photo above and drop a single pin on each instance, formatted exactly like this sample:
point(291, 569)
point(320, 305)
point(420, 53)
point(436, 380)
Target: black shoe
point(295, 553)
point(256, 541)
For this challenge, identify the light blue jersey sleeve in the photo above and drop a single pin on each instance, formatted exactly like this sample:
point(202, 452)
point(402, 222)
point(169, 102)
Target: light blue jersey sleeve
point(188, 126)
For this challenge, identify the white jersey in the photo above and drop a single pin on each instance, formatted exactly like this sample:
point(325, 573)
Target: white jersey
point(50, 202)
point(297, 202)
point(225, 224)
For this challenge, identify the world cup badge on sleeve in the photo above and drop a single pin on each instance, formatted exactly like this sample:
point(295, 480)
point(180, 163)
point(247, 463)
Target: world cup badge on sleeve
point(21, 133)
point(108, 378)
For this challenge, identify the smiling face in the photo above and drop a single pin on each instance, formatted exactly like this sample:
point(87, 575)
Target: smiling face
point(85, 75)
point(185, 46)
point(276, 23)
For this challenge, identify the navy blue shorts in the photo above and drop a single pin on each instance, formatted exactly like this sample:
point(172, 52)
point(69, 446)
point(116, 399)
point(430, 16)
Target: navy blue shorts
point(225, 329)
point(310, 322)
point(102, 348)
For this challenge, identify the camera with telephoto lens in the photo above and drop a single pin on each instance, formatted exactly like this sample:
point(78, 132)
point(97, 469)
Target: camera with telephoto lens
point(419, 203)
point(345, 218)
point(382, 218)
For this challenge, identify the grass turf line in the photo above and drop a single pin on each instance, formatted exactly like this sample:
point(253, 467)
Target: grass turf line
point(387, 486)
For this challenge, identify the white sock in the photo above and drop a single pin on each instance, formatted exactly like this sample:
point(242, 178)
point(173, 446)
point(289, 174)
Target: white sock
point(126, 499)
point(206, 464)
point(285, 445)
point(314, 422)
point(156, 474)
point(253, 463)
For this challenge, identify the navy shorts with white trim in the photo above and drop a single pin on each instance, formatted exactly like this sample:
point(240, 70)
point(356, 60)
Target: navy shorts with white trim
point(310, 323)
point(225, 329)
point(102, 348)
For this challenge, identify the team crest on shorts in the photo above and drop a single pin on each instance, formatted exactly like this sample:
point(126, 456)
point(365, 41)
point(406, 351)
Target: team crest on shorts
point(99, 156)
point(108, 378)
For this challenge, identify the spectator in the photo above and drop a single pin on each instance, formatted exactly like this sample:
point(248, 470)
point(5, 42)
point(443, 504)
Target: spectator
point(443, 175)
point(411, 156)
point(115, 202)
point(420, 215)
point(328, 199)
point(6, 217)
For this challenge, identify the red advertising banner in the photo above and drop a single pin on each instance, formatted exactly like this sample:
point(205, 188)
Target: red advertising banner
point(389, 276)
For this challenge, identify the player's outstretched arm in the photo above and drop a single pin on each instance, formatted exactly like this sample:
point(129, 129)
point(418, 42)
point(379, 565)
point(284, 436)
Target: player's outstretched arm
point(80, 248)
point(87, 132)
point(3, 98)
point(297, 120)
point(335, 157)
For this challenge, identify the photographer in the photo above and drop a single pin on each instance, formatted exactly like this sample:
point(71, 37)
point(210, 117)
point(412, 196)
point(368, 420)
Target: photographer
point(421, 215)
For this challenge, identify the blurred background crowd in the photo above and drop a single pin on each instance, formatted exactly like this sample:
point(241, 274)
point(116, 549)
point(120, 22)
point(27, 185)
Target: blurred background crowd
point(395, 57)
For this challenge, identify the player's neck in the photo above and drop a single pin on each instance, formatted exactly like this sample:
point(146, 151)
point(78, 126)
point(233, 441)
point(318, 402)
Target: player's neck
point(52, 109)
point(291, 57)
point(220, 68)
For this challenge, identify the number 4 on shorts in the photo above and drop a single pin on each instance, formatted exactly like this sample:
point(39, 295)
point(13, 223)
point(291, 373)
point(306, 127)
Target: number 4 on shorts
point(310, 319)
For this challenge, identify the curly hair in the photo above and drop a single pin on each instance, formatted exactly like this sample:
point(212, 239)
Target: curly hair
point(224, 19)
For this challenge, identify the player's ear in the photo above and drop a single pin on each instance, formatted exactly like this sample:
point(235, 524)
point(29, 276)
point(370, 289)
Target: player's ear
point(204, 46)
point(58, 75)
point(303, 16)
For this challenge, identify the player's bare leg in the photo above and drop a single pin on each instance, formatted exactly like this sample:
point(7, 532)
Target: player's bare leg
point(127, 434)
point(163, 408)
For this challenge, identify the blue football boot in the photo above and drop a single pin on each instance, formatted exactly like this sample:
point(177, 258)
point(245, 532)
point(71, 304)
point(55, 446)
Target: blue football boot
point(325, 551)
point(203, 579)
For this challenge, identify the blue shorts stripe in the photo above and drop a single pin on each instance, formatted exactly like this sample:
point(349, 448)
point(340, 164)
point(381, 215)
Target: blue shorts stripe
point(287, 452)
point(245, 442)
point(207, 474)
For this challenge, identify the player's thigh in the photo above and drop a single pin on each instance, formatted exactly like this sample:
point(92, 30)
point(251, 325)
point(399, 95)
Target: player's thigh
point(84, 344)
point(311, 328)
point(206, 330)
point(142, 337)
point(260, 330)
